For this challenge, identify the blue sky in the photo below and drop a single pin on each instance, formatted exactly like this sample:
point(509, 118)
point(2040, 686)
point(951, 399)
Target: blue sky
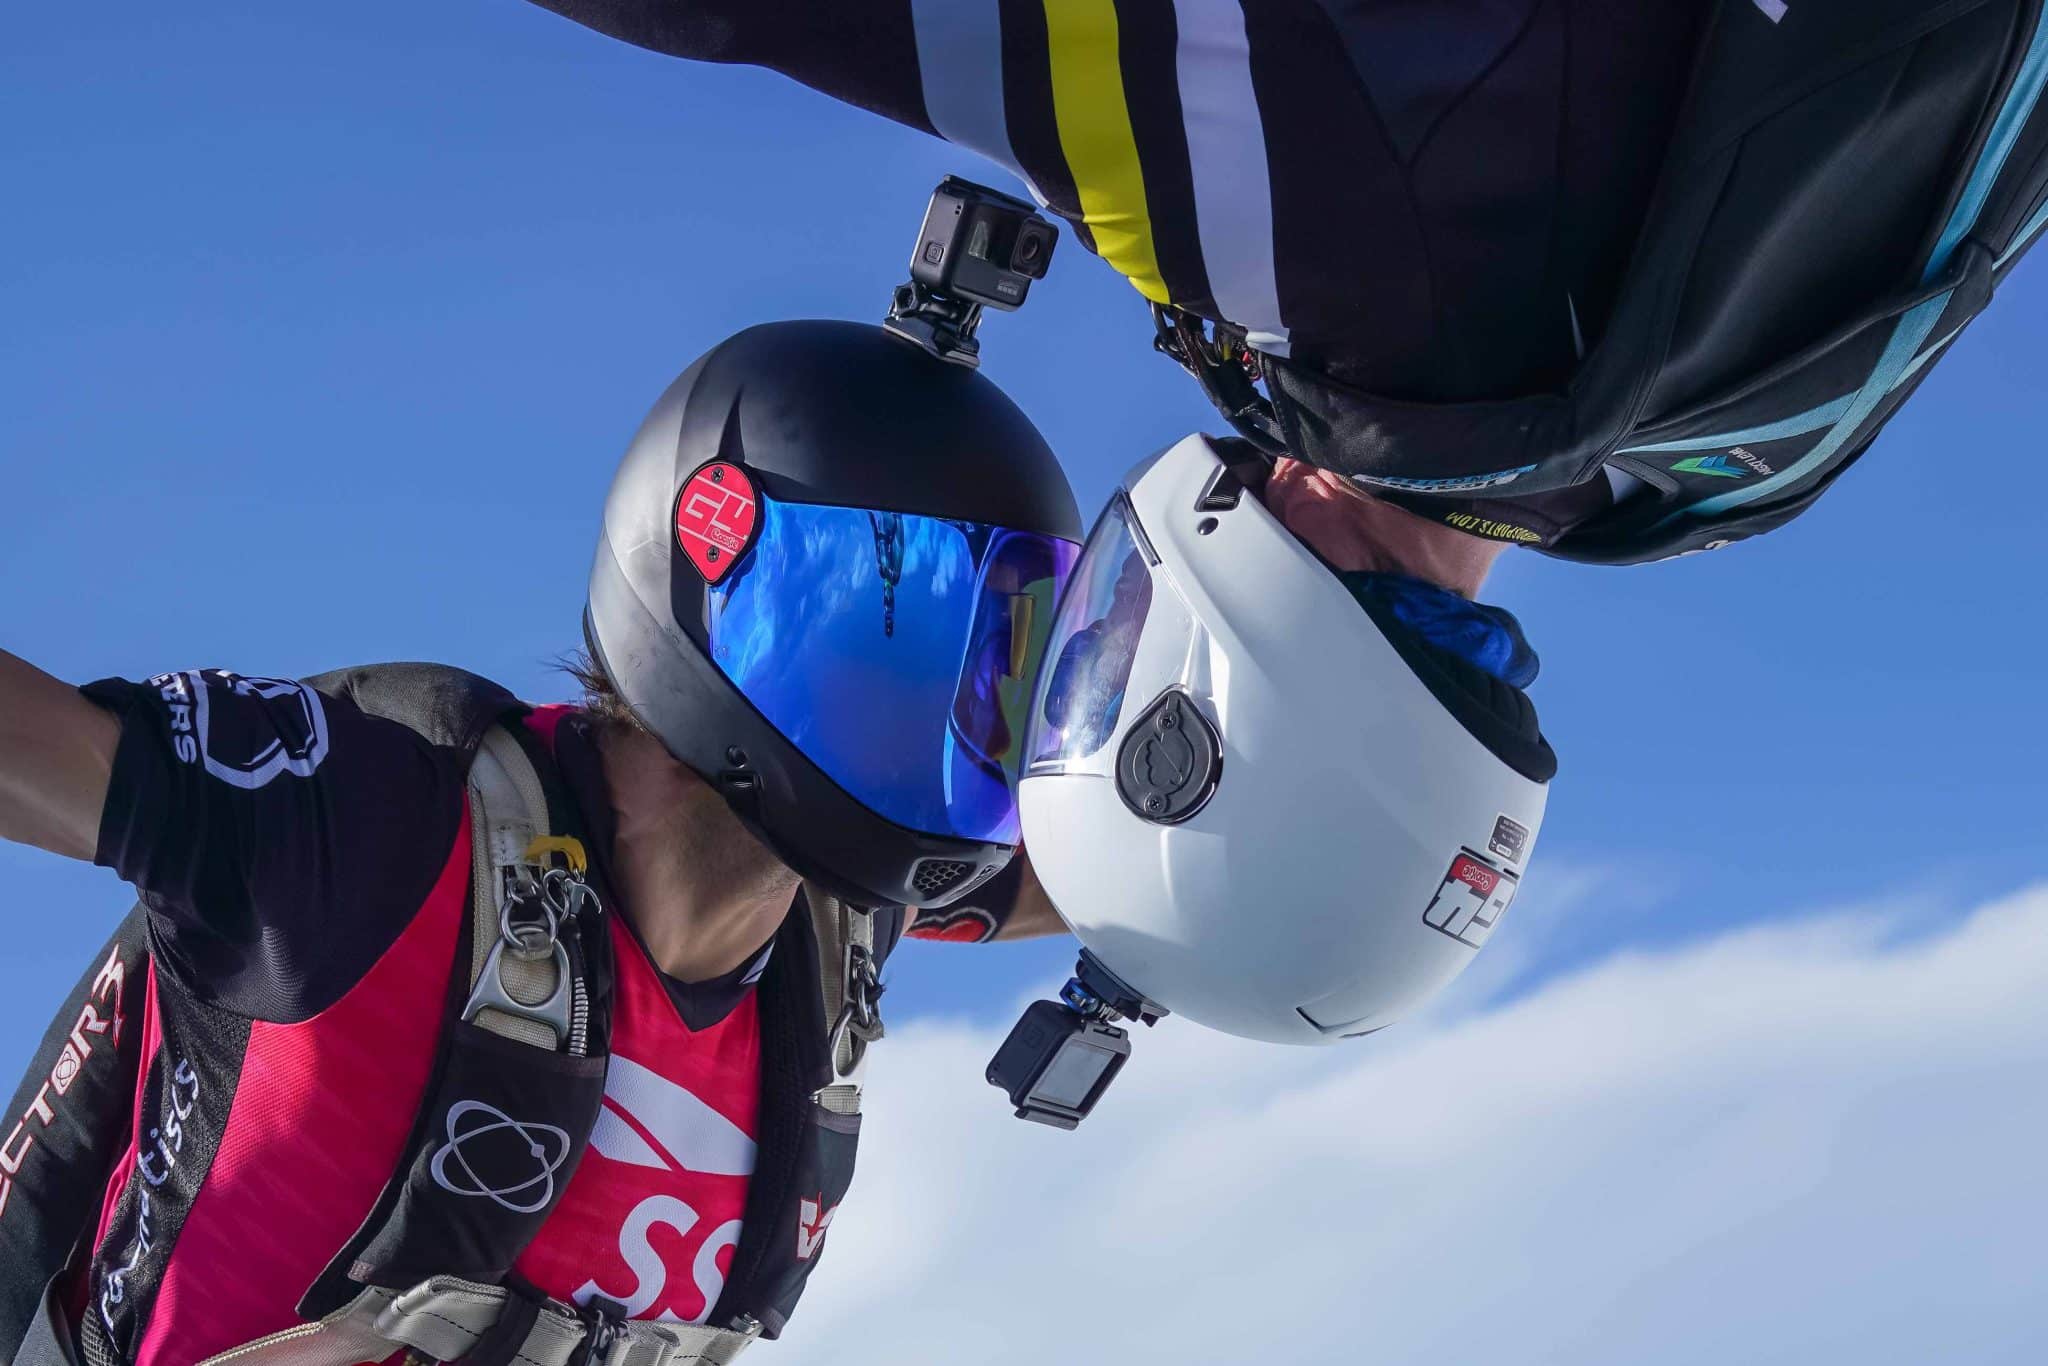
point(325, 326)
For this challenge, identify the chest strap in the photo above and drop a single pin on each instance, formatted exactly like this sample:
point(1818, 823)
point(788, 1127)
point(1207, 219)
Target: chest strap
point(444, 1319)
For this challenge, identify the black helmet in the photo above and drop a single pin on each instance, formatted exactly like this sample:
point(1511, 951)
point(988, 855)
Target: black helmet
point(826, 576)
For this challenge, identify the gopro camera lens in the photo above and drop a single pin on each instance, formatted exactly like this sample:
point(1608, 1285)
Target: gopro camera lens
point(1032, 256)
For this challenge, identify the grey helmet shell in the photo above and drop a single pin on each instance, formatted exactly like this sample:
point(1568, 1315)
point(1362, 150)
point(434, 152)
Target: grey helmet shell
point(834, 413)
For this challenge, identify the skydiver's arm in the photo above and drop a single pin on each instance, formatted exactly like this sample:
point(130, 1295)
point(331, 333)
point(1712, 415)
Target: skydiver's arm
point(861, 51)
point(1012, 905)
point(978, 74)
point(56, 758)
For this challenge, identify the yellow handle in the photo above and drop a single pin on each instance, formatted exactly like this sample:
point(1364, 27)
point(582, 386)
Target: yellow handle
point(570, 848)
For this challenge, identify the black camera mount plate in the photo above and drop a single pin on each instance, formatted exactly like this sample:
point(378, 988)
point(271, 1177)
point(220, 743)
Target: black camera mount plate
point(943, 327)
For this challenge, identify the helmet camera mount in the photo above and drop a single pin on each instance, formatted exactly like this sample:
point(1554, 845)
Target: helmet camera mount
point(978, 248)
point(1061, 1057)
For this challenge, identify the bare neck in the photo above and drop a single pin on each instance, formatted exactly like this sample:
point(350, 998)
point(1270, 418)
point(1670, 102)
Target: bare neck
point(1355, 531)
point(702, 891)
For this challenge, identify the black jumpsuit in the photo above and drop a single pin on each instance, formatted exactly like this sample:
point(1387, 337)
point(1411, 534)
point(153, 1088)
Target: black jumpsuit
point(1430, 199)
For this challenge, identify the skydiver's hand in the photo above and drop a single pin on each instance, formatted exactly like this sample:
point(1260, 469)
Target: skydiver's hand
point(1011, 905)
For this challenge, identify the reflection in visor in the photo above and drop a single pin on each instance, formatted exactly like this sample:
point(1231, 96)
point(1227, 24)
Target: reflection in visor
point(1095, 642)
point(895, 651)
point(1021, 578)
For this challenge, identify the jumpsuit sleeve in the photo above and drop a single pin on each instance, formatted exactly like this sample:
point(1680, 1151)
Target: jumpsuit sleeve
point(863, 52)
point(280, 838)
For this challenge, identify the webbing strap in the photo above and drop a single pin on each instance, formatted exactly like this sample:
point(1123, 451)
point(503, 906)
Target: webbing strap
point(444, 1318)
point(508, 811)
point(838, 929)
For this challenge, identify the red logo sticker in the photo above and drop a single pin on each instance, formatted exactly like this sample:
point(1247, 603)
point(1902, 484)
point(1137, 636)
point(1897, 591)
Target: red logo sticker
point(1474, 874)
point(811, 1222)
point(716, 516)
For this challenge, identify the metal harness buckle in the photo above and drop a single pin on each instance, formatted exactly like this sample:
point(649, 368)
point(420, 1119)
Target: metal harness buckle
point(859, 1019)
point(530, 918)
point(604, 1324)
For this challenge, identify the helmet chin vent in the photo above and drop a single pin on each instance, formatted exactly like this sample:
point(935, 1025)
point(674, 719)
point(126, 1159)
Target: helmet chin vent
point(938, 876)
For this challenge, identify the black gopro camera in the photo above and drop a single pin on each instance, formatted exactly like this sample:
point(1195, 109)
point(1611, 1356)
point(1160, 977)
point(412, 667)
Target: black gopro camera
point(1057, 1062)
point(1063, 1054)
point(978, 248)
point(981, 245)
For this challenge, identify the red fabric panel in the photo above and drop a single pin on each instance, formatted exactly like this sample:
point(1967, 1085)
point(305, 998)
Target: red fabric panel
point(319, 1123)
point(652, 1215)
point(542, 721)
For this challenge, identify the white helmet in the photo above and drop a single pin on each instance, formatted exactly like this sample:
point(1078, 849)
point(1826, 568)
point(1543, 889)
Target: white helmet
point(1257, 800)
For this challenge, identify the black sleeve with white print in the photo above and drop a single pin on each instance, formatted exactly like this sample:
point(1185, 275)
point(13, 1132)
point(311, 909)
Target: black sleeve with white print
point(280, 837)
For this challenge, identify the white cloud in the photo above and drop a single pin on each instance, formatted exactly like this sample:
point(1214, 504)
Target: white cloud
point(1807, 1143)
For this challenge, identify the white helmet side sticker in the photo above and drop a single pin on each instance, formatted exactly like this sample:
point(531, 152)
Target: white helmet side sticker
point(1471, 901)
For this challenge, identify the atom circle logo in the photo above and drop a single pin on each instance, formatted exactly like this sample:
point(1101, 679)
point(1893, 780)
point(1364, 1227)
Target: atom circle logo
point(491, 1136)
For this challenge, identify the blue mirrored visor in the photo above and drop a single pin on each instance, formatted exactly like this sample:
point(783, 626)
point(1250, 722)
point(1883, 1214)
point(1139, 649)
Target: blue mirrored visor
point(897, 653)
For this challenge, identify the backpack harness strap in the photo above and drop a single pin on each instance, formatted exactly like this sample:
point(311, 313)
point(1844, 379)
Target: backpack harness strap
point(521, 984)
point(444, 1319)
point(527, 883)
point(850, 977)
